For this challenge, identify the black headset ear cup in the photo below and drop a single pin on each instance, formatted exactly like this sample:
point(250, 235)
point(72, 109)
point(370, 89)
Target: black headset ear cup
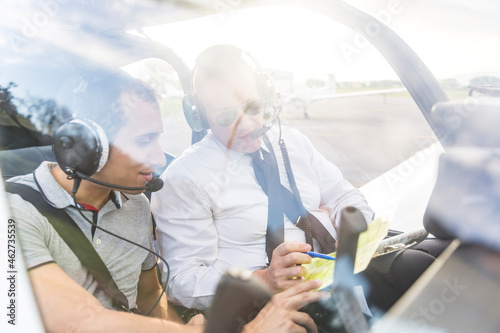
point(193, 112)
point(80, 146)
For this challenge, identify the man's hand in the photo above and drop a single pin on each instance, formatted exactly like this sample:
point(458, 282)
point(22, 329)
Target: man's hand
point(285, 270)
point(281, 313)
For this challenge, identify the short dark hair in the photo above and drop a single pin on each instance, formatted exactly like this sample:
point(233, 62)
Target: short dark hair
point(98, 97)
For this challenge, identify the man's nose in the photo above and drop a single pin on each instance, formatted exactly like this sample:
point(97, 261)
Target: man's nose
point(245, 121)
point(156, 157)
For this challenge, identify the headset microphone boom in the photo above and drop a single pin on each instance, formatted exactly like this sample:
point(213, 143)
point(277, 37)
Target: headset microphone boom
point(153, 185)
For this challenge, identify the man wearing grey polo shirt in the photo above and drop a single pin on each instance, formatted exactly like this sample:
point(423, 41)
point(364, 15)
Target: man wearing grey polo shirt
point(69, 297)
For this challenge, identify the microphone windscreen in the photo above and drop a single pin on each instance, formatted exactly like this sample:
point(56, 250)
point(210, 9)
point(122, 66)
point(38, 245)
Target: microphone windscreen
point(154, 185)
point(260, 132)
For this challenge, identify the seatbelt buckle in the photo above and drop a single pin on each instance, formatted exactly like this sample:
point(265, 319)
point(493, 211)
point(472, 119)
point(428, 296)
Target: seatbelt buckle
point(298, 221)
point(301, 222)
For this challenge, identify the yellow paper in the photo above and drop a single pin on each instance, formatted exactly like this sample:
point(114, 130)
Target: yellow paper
point(367, 245)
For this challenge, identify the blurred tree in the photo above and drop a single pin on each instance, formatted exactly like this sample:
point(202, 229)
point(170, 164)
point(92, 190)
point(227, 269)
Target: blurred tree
point(33, 126)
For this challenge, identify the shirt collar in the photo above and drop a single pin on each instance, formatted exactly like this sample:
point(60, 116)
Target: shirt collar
point(56, 195)
point(232, 155)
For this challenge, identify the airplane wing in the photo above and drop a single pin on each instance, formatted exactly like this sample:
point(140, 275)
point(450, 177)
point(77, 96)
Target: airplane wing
point(358, 93)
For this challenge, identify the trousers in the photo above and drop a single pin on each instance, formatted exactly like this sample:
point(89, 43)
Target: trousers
point(390, 275)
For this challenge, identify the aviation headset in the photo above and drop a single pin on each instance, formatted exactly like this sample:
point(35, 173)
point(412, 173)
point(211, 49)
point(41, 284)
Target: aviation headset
point(81, 145)
point(194, 112)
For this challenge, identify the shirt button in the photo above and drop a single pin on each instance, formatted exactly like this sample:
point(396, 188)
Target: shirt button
point(98, 241)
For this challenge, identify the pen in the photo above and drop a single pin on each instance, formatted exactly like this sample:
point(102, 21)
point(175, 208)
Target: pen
point(319, 255)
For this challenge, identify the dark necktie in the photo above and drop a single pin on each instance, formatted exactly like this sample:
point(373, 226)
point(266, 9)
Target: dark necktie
point(267, 174)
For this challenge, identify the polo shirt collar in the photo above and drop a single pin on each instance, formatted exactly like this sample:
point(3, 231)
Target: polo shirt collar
point(57, 196)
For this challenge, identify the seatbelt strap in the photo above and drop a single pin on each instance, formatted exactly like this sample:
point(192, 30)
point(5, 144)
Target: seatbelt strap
point(292, 207)
point(76, 240)
point(319, 231)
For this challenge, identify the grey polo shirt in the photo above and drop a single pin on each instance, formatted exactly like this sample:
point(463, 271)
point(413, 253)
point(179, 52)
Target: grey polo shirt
point(128, 216)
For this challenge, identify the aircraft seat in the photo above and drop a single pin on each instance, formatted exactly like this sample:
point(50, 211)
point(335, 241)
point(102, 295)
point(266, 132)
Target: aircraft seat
point(464, 201)
point(22, 161)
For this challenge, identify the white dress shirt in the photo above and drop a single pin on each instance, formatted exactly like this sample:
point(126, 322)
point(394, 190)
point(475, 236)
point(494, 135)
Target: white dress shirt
point(211, 214)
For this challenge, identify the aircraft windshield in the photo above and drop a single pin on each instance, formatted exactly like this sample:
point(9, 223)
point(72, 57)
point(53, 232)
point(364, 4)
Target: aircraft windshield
point(335, 87)
point(338, 89)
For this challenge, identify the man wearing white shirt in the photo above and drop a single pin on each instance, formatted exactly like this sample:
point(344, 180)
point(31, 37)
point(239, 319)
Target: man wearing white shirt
point(212, 213)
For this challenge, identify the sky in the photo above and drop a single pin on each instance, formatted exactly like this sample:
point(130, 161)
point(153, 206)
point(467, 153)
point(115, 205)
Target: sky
point(454, 38)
